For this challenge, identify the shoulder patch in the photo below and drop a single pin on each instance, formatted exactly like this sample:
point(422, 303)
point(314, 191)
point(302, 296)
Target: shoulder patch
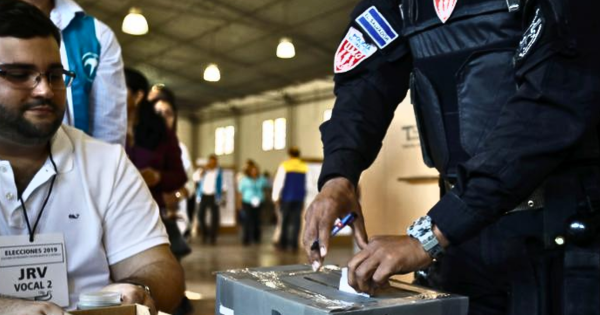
point(352, 51)
point(531, 35)
point(444, 8)
point(377, 27)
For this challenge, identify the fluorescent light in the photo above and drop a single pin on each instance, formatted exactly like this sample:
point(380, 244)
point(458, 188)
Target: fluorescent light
point(212, 73)
point(135, 23)
point(286, 49)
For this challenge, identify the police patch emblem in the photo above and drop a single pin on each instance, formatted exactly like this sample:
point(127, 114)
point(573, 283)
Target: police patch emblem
point(352, 51)
point(377, 27)
point(531, 35)
point(444, 8)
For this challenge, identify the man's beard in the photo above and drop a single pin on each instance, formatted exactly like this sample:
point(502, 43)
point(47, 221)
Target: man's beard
point(15, 127)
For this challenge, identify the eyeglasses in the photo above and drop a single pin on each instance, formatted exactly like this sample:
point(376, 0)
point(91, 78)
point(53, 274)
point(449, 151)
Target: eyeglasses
point(27, 79)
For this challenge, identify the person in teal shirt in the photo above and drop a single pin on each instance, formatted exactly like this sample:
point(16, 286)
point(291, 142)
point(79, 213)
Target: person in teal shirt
point(252, 187)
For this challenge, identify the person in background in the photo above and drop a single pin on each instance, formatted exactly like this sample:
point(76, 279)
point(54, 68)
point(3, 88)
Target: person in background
point(154, 150)
point(212, 194)
point(85, 194)
point(184, 196)
point(137, 89)
point(97, 98)
point(289, 191)
point(252, 189)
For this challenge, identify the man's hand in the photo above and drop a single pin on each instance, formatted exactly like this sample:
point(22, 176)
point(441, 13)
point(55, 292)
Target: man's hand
point(383, 257)
point(133, 294)
point(19, 307)
point(336, 199)
point(172, 199)
point(151, 176)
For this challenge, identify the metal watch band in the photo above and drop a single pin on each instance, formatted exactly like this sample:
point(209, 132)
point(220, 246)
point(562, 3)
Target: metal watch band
point(141, 285)
point(422, 231)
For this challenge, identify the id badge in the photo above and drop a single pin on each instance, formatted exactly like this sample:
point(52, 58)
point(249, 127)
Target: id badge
point(34, 271)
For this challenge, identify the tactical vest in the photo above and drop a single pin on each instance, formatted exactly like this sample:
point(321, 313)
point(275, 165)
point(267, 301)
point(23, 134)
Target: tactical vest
point(463, 74)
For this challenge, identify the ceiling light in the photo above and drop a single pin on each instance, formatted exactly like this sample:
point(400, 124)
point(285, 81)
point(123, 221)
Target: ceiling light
point(135, 23)
point(212, 73)
point(285, 49)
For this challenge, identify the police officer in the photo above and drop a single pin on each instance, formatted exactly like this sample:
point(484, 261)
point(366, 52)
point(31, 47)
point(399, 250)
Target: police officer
point(507, 103)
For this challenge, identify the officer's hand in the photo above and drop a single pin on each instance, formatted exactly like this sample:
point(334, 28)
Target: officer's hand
point(383, 257)
point(19, 307)
point(133, 294)
point(336, 199)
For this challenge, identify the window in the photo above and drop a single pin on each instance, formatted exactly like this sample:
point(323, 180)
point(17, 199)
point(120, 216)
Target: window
point(224, 140)
point(274, 134)
point(327, 115)
point(267, 135)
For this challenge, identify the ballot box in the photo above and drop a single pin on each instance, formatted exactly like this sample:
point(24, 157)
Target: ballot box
point(297, 290)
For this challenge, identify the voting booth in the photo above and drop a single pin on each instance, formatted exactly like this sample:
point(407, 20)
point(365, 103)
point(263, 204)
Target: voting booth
point(297, 289)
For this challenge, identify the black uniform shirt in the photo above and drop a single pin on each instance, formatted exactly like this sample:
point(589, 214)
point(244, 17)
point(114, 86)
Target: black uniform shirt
point(557, 103)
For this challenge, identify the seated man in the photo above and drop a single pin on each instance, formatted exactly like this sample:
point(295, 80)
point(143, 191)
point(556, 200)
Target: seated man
point(75, 215)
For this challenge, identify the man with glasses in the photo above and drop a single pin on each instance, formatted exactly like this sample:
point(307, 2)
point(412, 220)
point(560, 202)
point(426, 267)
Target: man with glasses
point(76, 217)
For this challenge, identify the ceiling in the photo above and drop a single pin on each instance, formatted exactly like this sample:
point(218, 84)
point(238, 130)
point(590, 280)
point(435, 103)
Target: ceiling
point(241, 36)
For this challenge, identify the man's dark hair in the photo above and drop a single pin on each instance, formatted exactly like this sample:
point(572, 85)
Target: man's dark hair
point(23, 20)
point(136, 81)
point(294, 152)
point(150, 129)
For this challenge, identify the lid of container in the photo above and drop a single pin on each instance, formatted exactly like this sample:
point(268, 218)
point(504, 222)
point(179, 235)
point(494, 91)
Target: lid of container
point(100, 297)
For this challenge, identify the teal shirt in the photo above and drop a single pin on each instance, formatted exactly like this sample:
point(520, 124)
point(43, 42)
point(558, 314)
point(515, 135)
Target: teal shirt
point(252, 188)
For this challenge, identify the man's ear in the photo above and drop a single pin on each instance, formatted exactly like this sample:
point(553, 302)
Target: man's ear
point(139, 96)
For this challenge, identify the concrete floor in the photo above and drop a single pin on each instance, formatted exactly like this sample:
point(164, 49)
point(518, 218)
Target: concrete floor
point(228, 253)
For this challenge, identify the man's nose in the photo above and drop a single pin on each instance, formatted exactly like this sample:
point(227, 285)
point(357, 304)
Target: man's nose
point(43, 88)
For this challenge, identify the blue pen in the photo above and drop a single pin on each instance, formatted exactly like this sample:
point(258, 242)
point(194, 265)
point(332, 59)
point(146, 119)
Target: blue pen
point(348, 219)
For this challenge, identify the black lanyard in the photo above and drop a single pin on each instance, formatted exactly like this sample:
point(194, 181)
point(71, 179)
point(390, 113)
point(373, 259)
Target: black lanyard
point(32, 231)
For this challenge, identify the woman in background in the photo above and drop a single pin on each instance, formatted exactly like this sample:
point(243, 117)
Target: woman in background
point(252, 188)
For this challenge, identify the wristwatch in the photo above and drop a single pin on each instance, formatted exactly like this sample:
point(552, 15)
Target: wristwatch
point(422, 231)
point(141, 285)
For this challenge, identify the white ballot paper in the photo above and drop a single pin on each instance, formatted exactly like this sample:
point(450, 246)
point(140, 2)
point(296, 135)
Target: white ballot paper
point(345, 287)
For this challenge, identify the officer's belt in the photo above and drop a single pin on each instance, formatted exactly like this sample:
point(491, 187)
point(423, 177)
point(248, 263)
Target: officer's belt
point(533, 202)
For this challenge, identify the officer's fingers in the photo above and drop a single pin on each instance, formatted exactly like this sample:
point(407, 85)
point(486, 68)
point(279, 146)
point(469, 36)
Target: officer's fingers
point(360, 232)
point(311, 234)
point(382, 274)
point(354, 264)
point(364, 274)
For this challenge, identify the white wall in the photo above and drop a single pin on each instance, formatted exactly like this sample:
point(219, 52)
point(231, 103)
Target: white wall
point(205, 140)
point(303, 120)
point(308, 119)
point(185, 132)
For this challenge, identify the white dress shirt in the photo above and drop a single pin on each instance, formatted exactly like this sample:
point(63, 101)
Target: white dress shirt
point(99, 202)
